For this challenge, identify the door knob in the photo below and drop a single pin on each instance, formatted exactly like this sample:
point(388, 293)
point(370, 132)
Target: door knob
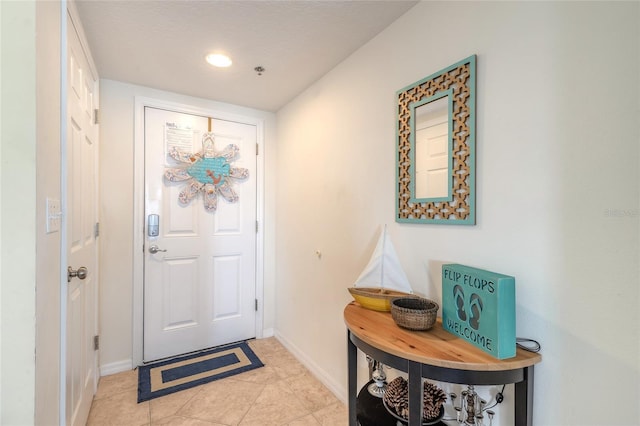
point(81, 273)
point(155, 249)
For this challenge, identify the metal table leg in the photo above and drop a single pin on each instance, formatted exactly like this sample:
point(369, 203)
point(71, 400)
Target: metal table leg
point(415, 393)
point(352, 365)
point(524, 399)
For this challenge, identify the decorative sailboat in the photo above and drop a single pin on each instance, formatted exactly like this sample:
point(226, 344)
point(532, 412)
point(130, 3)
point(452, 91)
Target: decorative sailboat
point(383, 279)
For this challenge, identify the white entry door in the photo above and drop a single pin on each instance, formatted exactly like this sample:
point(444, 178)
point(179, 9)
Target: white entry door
point(200, 269)
point(81, 218)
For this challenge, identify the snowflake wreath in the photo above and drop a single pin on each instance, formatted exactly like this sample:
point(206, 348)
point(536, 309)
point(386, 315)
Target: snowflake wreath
point(209, 172)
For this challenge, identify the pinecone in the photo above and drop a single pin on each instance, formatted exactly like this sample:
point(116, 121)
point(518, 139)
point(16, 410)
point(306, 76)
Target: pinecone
point(433, 399)
point(397, 396)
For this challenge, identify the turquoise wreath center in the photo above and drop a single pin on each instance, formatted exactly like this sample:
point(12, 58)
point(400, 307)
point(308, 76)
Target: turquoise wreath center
point(210, 170)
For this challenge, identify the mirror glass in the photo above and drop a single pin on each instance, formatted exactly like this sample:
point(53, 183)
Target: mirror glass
point(431, 150)
point(435, 157)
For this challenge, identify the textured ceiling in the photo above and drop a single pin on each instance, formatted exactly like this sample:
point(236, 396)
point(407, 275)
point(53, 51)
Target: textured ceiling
point(162, 44)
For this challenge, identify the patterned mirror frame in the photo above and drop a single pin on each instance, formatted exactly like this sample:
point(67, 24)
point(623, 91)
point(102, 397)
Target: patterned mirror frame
point(459, 207)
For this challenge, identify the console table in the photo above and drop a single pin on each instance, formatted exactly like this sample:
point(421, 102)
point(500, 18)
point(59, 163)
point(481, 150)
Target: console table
point(435, 354)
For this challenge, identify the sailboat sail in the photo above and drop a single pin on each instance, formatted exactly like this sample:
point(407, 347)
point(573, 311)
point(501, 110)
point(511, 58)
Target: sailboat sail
point(382, 280)
point(384, 270)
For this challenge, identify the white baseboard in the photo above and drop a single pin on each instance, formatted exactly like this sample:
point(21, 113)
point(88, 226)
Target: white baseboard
point(267, 332)
point(338, 389)
point(116, 367)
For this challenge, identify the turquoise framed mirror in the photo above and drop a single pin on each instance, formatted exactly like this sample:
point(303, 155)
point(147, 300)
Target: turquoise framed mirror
point(435, 158)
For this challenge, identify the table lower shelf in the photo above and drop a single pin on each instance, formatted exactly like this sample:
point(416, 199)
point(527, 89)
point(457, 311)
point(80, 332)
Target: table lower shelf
point(370, 411)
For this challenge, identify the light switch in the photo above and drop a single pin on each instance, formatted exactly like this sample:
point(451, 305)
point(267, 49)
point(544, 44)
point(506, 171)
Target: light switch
point(54, 215)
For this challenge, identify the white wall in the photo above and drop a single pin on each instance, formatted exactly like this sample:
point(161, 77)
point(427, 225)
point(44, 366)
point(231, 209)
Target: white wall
point(18, 211)
point(557, 190)
point(116, 214)
point(48, 286)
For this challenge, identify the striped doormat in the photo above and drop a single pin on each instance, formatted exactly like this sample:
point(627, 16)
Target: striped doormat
point(165, 377)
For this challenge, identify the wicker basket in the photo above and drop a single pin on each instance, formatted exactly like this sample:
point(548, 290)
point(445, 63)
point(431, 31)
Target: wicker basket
point(414, 313)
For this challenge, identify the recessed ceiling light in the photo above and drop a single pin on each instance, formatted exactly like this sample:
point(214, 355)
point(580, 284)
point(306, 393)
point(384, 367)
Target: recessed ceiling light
point(219, 60)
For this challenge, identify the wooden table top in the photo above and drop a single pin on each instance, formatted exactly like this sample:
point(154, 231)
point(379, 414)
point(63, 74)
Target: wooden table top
point(433, 347)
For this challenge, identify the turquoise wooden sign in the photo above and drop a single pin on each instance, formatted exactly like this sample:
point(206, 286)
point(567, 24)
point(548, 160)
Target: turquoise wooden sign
point(480, 307)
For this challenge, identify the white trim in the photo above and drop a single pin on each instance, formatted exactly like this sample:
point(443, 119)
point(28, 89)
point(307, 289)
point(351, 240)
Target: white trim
point(116, 367)
point(64, 85)
point(338, 389)
point(138, 210)
point(260, 139)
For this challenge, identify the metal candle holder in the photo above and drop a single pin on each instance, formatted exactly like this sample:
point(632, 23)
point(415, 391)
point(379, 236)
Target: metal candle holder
point(377, 374)
point(470, 411)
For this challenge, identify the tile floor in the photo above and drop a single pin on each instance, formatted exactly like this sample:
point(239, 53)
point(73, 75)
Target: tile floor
point(282, 393)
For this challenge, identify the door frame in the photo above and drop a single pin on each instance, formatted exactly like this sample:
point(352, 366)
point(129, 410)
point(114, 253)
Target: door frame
point(138, 209)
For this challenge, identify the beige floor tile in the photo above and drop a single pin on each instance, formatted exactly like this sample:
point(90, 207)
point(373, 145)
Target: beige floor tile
point(285, 365)
point(271, 352)
point(304, 421)
point(118, 410)
point(169, 405)
point(291, 370)
point(277, 405)
point(183, 421)
point(265, 347)
point(311, 392)
point(333, 415)
point(117, 383)
point(224, 401)
point(262, 375)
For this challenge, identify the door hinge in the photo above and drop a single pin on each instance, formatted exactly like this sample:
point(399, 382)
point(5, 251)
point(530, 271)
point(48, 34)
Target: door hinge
point(256, 226)
point(256, 304)
point(96, 343)
point(96, 230)
point(256, 149)
point(96, 117)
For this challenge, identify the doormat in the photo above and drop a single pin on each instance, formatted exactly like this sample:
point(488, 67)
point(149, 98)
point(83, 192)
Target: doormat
point(165, 377)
